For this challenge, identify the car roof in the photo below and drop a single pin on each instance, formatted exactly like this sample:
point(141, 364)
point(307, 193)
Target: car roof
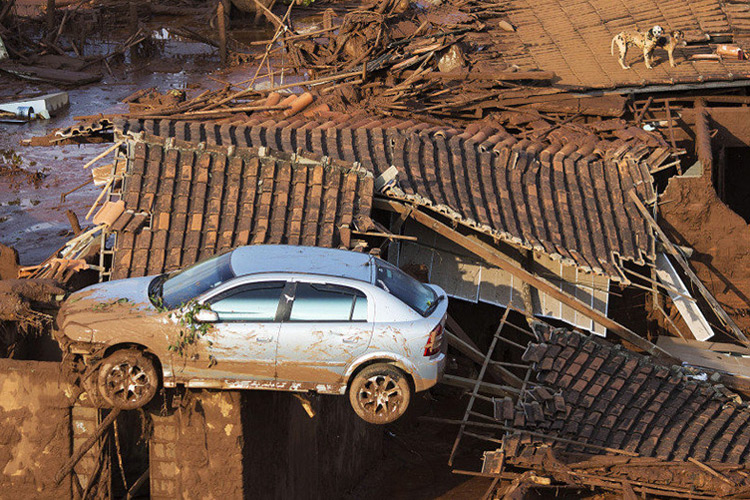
point(257, 259)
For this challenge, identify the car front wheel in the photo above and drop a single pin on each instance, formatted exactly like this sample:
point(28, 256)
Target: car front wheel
point(380, 393)
point(128, 379)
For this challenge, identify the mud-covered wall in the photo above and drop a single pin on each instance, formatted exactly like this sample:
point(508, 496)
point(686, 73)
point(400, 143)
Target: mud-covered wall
point(196, 451)
point(34, 429)
point(693, 215)
point(290, 455)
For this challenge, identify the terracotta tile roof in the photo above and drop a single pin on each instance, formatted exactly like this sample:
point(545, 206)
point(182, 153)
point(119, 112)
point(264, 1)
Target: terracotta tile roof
point(564, 195)
point(185, 202)
point(571, 206)
point(572, 39)
point(593, 392)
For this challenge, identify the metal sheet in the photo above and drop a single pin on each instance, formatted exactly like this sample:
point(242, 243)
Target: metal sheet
point(463, 276)
point(689, 311)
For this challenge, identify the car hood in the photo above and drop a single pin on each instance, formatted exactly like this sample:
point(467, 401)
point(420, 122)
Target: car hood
point(124, 301)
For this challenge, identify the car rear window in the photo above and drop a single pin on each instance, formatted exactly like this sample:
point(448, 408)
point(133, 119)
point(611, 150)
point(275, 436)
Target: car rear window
point(410, 291)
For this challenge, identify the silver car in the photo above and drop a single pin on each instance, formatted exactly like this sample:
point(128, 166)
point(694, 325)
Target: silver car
point(262, 317)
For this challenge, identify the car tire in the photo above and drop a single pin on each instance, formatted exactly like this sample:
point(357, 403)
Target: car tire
point(380, 393)
point(90, 385)
point(127, 379)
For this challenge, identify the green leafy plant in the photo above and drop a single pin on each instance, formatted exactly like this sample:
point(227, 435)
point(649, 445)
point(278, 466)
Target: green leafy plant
point(158, 303)
point(191, 330)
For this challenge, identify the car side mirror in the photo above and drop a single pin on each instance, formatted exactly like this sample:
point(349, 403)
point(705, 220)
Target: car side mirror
point(206, 316)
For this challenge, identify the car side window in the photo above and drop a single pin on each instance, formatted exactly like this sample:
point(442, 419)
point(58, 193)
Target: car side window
point(256, 302)
point(322, 302)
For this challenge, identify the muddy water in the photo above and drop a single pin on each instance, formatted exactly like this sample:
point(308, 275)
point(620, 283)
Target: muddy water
point(32, 218)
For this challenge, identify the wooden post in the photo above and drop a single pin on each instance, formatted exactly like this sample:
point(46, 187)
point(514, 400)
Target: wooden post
point(721, 174)
point(221, 22)
point(74, 224)
point(50, 18)
point(133, 16)
point(703, 141)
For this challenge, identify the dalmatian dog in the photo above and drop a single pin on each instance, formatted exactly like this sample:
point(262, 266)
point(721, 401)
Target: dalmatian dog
point(647, 41)
point(670, 42)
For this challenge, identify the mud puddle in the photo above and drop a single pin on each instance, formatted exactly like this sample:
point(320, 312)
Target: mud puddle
point(32, 217)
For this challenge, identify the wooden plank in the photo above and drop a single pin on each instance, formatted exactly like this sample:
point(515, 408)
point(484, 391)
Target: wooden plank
point(495, 258)
point(715, 356)
point(50, 75)
point(688, 309)
point(502, 76)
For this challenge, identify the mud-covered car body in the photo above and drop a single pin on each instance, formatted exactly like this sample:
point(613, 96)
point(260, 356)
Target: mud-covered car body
point(279, 317)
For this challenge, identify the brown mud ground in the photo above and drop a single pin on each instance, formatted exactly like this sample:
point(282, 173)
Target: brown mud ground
point(695, 216)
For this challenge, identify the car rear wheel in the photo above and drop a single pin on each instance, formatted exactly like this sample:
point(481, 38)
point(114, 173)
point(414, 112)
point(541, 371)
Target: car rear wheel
point(128, 379)
point(380, 393)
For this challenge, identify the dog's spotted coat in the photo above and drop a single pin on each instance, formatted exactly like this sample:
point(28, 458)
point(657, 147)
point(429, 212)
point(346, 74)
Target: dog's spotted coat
point(647, 41)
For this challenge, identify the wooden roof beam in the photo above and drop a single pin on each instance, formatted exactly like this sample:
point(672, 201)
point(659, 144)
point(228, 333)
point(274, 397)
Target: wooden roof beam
point(493, 256)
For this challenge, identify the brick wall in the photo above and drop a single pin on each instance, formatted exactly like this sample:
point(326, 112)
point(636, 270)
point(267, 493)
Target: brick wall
point(35, 431)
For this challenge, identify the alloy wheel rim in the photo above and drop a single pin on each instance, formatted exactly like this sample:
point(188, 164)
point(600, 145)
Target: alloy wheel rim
point(380, 396)
point(127, 383)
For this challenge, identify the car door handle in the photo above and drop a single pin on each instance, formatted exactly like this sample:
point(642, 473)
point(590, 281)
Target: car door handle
point(263, 339)
point(350, 340)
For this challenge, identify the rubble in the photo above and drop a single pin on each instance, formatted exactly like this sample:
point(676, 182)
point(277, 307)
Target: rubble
point(656, 422)
point(27, 309)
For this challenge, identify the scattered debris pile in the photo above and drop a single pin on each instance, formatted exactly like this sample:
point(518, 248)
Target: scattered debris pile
point(27, 308)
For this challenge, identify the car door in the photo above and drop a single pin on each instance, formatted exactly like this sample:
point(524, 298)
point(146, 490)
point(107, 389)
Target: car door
point(242, 342)
point(326, 327)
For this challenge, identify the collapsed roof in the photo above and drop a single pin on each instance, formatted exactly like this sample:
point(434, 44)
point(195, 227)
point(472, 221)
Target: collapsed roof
point(562, 191)
point(594, 414)
point(617, 398)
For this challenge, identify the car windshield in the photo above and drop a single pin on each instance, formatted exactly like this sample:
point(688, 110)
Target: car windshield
point(414, 294)
point(189, 283)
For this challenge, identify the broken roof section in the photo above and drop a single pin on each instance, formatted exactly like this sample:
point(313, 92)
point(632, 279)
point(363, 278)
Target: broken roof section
point(560, 190)
point(185, 202)
point(601, 415)
point(572, 39)
point(622, 400)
